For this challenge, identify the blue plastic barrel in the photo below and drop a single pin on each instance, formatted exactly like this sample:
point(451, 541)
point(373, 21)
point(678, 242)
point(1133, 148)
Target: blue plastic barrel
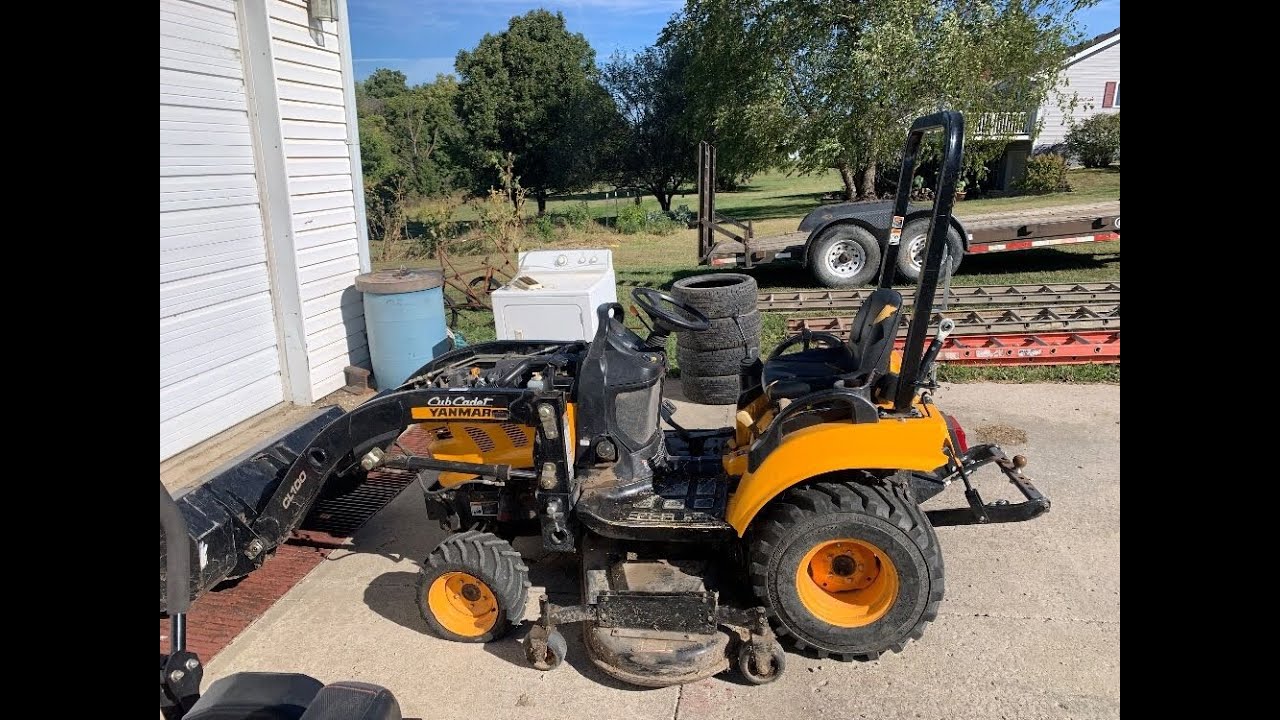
point(404, 319)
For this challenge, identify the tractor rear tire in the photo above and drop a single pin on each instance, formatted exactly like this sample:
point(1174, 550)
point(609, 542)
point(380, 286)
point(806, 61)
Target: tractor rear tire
point(473, 587)
point(847, 569)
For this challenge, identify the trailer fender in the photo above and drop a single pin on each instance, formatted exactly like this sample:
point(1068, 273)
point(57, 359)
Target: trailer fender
point(891, 444)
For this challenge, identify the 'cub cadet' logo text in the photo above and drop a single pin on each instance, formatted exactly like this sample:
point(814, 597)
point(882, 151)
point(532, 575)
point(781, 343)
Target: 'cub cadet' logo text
point(460, 408)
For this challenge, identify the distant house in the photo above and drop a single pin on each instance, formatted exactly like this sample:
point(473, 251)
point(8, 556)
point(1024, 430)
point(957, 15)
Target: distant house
point(1093, 74)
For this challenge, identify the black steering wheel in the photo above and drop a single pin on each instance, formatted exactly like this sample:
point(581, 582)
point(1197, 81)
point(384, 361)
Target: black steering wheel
point(669, 314)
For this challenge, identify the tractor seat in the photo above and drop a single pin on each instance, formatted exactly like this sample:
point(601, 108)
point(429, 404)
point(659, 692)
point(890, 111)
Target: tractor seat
point(864, 358)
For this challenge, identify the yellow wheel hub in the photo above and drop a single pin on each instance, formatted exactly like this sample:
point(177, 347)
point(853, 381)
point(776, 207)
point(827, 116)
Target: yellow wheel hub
point(463, 604)
point(847, 582)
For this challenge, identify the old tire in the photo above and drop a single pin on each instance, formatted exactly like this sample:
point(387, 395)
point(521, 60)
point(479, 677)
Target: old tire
point(724, 333)
point(910, 253)
point(701, 363)
point(844, 256)
point(873, 550)
point(717, 295)
point(473, 587)
point(712, 389)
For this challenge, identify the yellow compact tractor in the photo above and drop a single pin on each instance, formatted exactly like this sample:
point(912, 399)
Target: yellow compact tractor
point(698, 548)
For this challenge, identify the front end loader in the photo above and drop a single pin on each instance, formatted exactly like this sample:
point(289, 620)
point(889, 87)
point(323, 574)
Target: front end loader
point(700, 550)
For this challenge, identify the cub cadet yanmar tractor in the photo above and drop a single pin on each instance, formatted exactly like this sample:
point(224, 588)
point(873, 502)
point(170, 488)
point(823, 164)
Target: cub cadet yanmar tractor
point(696, 546)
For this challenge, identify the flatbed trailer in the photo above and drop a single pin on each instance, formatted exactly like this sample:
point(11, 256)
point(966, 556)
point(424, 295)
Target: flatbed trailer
point(836, 241)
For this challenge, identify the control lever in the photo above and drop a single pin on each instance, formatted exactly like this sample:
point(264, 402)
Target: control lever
point(945, 329)
point(667, 410)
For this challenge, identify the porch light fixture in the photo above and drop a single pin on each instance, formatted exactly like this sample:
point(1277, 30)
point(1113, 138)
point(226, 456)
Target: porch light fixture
point(326, 10)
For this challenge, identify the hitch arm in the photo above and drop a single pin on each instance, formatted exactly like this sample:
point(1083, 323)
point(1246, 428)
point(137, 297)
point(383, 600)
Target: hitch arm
point(1000, 511)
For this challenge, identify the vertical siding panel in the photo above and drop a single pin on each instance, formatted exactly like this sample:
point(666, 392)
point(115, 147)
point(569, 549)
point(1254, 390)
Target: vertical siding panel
point(321, 188)
point(219, 359)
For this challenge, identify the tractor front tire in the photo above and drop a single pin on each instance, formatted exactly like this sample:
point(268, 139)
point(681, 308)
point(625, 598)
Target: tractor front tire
point(847, 569)
point(473, 587)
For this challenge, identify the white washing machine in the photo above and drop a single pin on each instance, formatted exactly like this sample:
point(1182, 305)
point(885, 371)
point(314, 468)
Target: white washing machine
point(560, 303)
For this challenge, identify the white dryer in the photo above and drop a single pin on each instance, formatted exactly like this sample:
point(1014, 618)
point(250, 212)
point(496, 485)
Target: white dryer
point(561, 302)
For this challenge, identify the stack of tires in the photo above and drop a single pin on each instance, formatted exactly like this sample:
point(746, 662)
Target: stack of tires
point(710, 360)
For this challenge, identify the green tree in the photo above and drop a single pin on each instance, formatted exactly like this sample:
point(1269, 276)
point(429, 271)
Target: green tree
point(420, 126)
point(846, 78)
point(656, 150)
point(533, 91)
point(732, 97)
point(384, 83)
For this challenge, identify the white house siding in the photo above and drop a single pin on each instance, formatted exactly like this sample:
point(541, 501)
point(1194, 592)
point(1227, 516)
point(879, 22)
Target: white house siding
point(219, 360)
point(1086, 76)
point(309, 83)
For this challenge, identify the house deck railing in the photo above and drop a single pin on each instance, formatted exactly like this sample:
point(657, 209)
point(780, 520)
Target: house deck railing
point(1005, 125)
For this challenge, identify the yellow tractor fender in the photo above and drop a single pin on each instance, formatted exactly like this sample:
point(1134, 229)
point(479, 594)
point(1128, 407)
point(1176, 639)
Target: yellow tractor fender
point(891, 444)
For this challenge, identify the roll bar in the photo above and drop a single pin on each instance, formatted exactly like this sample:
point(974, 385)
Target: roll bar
point(951, 123)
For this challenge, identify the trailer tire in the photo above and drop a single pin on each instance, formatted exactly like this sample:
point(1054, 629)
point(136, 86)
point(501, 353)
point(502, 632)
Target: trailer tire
point(844, 255)
point(909, 253)
point(870, 541)
point(724, 333)
point(473, 587)
point(700, 363)
point(711, 389)
point(717, 295)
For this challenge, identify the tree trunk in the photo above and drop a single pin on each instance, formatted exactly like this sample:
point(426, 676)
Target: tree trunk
point(868, 189)
point(846, 176)
point(664, 200)
point(542, 204)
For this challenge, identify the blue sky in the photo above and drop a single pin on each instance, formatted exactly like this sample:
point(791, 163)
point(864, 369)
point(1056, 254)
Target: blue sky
point(422, 37)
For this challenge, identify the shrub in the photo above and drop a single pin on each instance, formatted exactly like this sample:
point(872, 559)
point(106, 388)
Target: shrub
point(659, 223)
point(1045, 174)
point(631, 219)
point(1096, 141)
point(578, 216)
point(544, 228)
point(684, 216)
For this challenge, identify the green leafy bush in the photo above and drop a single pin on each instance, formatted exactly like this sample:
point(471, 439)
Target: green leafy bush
point(544, 228)
point(631, 219)
point(578, 216)
point(660, 223)
point(684, 216)
point(1045, 174)
point(1096, 141)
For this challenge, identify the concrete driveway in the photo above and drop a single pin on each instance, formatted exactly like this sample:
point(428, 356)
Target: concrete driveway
point(1030, 627)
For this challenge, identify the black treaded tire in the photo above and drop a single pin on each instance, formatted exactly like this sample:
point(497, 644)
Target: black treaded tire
point(701, 363)
point(820, 264)
point(723, 333)
point(489, 559)
point(908, 269)
point(712, 389)
point(717, 295)
point(883, 513)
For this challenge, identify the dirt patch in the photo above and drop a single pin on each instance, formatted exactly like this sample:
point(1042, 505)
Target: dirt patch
point(1000, 434)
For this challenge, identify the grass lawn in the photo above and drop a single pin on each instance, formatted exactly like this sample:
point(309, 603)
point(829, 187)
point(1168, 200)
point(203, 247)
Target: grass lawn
point(777, 202)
